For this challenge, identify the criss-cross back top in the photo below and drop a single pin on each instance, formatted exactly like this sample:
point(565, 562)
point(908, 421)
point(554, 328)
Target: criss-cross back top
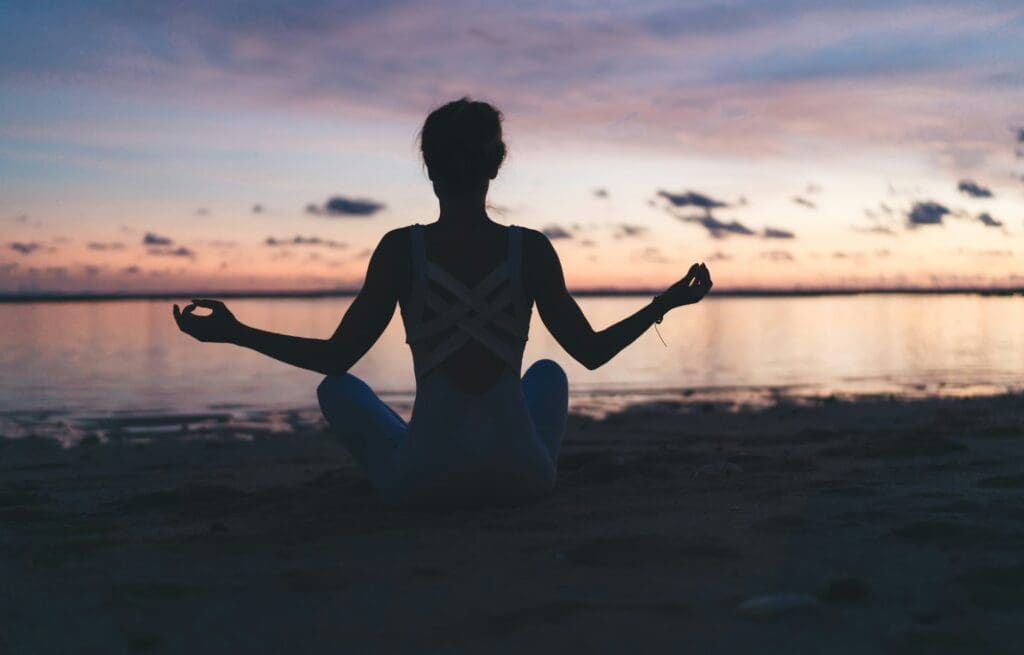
point(444, 314)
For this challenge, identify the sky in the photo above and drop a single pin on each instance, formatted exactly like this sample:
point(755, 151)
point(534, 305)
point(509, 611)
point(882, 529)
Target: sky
point(197, 145)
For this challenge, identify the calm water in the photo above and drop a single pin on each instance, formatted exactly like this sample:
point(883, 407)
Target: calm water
point(111, 356)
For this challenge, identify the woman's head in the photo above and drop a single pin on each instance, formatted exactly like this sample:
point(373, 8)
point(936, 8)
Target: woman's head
point(462, 146)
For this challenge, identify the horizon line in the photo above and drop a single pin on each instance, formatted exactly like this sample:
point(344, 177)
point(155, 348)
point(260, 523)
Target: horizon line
point(739, 292)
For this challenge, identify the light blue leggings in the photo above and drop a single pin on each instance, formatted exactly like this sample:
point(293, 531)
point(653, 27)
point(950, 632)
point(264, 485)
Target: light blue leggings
point(375, 435)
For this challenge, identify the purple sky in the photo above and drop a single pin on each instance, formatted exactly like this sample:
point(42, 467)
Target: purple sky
point(270, 145)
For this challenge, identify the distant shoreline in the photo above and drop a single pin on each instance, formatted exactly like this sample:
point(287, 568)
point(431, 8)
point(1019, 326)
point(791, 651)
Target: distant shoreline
point(583, 293)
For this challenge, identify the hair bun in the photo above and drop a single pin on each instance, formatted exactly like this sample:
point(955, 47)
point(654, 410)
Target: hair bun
point(462, 144)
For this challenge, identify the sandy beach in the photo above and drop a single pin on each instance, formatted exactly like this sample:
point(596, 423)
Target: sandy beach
point(822, 525)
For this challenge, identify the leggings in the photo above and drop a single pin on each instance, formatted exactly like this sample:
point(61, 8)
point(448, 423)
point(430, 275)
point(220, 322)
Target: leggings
point(373, 433)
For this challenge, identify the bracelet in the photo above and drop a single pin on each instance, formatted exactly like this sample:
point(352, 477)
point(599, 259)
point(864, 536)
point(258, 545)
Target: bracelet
point(657, 302)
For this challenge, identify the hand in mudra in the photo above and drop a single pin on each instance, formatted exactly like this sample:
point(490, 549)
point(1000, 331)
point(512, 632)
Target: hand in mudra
point(219, 326)
point(694, 286)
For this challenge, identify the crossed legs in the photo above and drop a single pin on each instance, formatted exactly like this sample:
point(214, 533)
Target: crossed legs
point(372, 432)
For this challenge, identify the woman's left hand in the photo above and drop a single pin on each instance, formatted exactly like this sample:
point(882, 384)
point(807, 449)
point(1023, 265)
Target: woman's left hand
point(219, 326)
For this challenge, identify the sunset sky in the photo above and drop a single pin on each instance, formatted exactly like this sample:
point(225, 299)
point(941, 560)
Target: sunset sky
point(269, 145)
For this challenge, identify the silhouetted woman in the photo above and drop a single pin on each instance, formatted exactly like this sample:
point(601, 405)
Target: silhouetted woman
point(466, 286)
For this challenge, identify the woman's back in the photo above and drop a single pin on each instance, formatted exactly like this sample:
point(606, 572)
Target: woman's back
point(464, 303)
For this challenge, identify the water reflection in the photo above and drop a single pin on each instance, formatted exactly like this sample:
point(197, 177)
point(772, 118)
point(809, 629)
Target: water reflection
point(92, 357)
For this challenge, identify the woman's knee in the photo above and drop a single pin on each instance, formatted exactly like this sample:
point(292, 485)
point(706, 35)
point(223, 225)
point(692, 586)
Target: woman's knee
point(340, 389)
point(549, 370)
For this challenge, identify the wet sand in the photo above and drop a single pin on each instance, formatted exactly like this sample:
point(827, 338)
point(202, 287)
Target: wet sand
point(828, 525)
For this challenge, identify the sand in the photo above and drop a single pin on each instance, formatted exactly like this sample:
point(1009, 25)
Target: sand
point(829, 525)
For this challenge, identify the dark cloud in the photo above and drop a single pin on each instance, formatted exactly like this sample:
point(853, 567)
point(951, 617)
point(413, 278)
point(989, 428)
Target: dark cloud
point(601, 193)
point(926, 213)
point(718, 256)
point(8, 267)
point(156, 240)
point(131, 270)
point(556, 232)
point(305, 241)
point(202, 211)
point(258, 209)
point(692, 199)
point(716, 228)
point(24, 247)
point(776, 233)
point(1020, 135)
point(987, 220)
point(21, 218)
point(587, 243)
point(103, 245)
point(876, 229)
point(341, 206)
point(180, 251)
point(804, 202)
point(626, 230)
point(91, 270)
point(974, 190)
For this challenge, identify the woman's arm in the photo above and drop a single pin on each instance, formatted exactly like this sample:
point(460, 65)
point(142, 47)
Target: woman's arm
point(566, 322)
point(362, 325)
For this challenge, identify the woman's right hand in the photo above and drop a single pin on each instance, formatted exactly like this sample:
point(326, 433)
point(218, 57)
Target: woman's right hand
point(219, 326)
point(689, 290)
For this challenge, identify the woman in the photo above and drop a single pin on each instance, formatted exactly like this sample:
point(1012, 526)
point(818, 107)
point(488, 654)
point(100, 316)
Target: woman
point(466, 286)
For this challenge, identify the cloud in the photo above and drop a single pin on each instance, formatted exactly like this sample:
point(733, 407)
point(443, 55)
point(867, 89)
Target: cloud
point(556, 232)
point(202, 211)
point(778, 256)
point(342, 206)
point(103, 245)
point(305, 241)
point(716, 228)
point(131, 270)
point(803, 202)
point(601, 193)
point(651, 254)
point(91, 270)
point(776, 233)
point(1020, 135)
point(626, 230)
point(258, 208)
point(974, 190)
point(156, 240)
point(987, 220)
point(692, 199)
point(718, 256)
point(875, 229)
point(23, 247)
point(180, 251)
point(926, 213)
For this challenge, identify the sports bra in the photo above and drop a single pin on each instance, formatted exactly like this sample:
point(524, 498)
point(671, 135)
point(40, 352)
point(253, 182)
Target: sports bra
point(443, 314)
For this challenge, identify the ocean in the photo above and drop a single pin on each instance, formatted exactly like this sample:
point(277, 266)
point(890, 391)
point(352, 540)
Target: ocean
point(93, 358)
